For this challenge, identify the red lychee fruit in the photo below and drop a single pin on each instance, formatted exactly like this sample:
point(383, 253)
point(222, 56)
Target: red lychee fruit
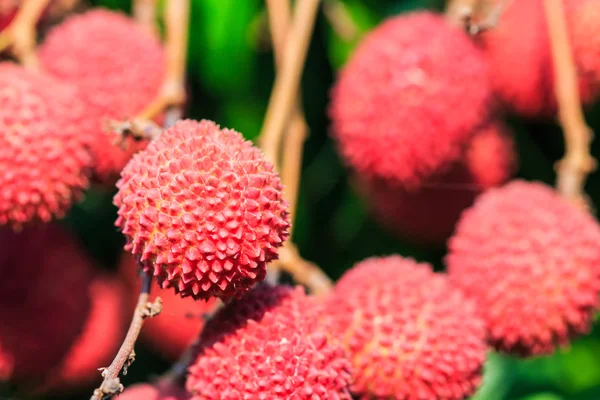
point(44, 276)
point(428, 215)
point(531, 260)
point(8, 10)
point(519, 53)
point(44, 161)
point(119, 68)
point(394, 108)
point(98, 342)
point(162, 390)
point(268, 345)
point(184, 313)
point(203, 210)
point(409, 333)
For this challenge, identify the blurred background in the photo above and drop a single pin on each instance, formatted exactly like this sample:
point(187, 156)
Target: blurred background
point(230, 74)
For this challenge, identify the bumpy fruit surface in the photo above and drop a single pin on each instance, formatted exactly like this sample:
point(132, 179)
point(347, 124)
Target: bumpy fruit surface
point(409, 333)
point(394, 107)
point(428, 215)
point(97, 344)
point(203, 210)
point(531, 260)
point(184, 313)
point(162, 390)
point(44, 161)
point(43, 292)
point(268, 345)
point(119, 68)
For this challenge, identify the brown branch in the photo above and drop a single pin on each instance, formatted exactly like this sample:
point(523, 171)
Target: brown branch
point(460, 12)
point(111, 384)
point(287, 81)
point(340, 20)
point(20, 35)
point(144, 12)
point(577, 163)
point(303, 271)
point(172, 92)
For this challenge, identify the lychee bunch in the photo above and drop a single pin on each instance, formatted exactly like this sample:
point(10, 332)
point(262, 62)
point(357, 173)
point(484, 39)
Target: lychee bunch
point(428, 215)
point(203, 210)
point(118, 67)
point(44, 159)
point(184, 313)
point(394, 107)
point(43, 293)
point(268, 345)
point(97, 343)
point(531, 260)
point(409, 333)
point(162, 390)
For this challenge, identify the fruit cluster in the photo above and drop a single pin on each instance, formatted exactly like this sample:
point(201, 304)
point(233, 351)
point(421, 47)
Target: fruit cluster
point(416, 115)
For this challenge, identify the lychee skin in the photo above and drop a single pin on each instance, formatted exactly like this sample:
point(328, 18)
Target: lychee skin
point(162, 390)
point(530, 259)
point(184, 313)
point(44, 158)
point(43, 290)
point(393, 108)
point(98, 342)
point(268, 345)
point(119, 68)
point(8, 10)
point(203, 210)
point(409, 333)
point(428, 215)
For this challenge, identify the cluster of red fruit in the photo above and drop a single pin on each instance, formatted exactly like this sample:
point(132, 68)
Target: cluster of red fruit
point(203, 213)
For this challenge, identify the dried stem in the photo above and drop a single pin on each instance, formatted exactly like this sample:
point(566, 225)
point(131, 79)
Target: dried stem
point(111, 384)
point(287, 81)
point(460, 12)
point(340, 20)
point(144, 12)
point(303, 271)
point(172, 92)
point(577, 163)
point(20, 35)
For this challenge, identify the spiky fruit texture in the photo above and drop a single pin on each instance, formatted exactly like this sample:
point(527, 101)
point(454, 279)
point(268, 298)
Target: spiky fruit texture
point(531, 260)
point(519, 53)
point(163, 390)
point(394, 106)
point(44, 161)
point(43, 292)
point(118, 66)
point(185, 314)
point(203, 210)
point(428, 215)
point(98, 342)
point(268, 345)
point(409, 333)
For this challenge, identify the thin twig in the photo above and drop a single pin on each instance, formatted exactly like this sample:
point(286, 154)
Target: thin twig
point(287, 81)
point(577, 163)
point(111, 384)
point(340, 20)
point(172, 92)
point(20, 35)
point(144, 12)
point(303, 271)
point(460, 12)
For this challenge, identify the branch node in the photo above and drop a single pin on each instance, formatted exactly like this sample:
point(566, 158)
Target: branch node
point(152, 309)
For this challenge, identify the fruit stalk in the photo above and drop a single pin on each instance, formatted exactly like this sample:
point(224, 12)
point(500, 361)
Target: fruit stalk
point(577, 162)
point(144, 11)
point(20, 35)
point(340, 20)
point(111, 384)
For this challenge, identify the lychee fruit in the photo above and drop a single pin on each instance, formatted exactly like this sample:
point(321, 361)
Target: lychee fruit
point(203, 210)
point(119, 68)
point(428, 215)
point(409, 333)
point(184, 313)
point(44, 159)
point(98, 342)
point(394, 107)
point(44, 277)
point(8, 10)
point(268, 345)
point(531, 260)
point(162, 390)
